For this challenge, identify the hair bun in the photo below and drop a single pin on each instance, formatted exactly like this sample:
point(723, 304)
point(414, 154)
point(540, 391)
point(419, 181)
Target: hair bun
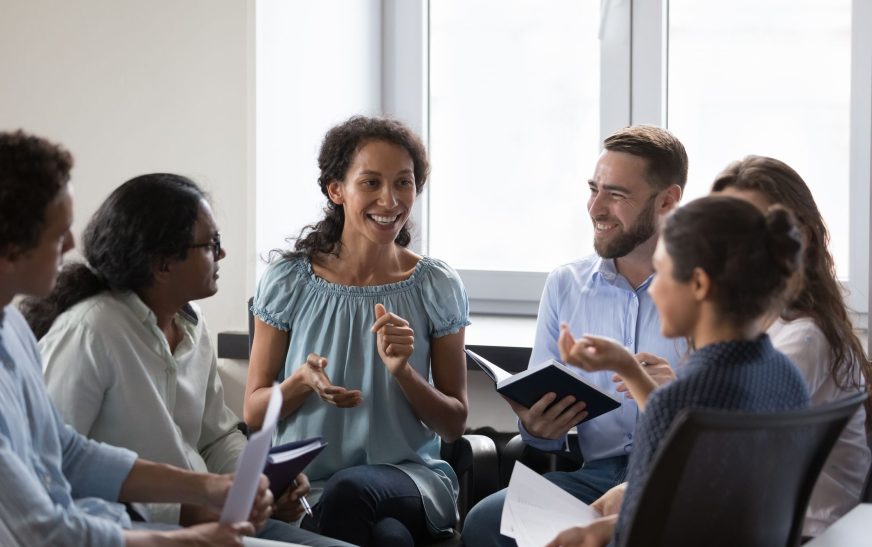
point(784, 240)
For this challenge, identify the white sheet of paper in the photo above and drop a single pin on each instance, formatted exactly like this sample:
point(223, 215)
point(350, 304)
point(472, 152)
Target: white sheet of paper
point(536, 509)
point(237, 507)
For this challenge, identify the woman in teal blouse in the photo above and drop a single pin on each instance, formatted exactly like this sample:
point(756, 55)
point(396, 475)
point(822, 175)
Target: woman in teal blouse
point(366, 340)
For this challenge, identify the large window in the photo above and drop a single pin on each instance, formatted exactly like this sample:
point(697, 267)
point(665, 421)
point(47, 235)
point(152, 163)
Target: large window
point(514, 98)
point(521, 93)
point(770, 78)
point(514, 131)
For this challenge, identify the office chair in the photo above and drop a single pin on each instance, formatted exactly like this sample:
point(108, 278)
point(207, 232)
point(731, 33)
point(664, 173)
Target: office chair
point(540, 461)
point(733, 478)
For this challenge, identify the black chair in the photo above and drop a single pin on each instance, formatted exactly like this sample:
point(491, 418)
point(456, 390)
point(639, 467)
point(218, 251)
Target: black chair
point(730, 478)
point(540, 461)
point(473, 458)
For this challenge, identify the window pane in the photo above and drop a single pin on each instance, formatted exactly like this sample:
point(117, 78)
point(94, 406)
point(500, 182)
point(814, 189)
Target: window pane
point(766, 77)
point(514, 131)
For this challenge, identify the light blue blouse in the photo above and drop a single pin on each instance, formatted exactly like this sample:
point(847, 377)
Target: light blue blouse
point(334, 321)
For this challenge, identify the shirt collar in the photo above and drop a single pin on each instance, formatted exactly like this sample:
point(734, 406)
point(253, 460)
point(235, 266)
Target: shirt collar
point(608, 270)
point(144, 313)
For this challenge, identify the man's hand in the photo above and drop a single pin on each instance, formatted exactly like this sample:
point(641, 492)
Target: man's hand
point(610, 503)
point(595, 534)
point(312, 375)
point(288, 506)
point(218, 486)
point(550, 421)
point(262, 508)
point(395, 339)
point(657, 368)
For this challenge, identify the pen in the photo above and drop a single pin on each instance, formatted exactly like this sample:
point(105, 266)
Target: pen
point(305, 503)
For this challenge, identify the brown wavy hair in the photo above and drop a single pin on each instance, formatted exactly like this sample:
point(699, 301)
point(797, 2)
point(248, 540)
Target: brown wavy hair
point(821, 297)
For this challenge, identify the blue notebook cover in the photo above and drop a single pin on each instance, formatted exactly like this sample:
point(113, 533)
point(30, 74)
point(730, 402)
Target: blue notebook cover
point(531, 385)
point(281, 475)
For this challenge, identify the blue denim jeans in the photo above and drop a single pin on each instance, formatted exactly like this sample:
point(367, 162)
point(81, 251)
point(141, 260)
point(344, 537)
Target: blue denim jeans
point(375, 505)
point(482, 526)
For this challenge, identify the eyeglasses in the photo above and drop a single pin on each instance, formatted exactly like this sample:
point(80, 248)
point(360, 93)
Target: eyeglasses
point(215, 245)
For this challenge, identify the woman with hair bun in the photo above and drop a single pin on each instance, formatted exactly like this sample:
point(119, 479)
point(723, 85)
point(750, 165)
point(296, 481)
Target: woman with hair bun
point(720, 265)
point(365, 338)
point(813, 329)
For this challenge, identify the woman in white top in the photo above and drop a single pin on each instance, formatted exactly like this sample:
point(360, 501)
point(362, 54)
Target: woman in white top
point(814, 331)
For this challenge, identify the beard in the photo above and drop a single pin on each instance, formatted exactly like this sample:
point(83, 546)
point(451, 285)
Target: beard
point(623, 244)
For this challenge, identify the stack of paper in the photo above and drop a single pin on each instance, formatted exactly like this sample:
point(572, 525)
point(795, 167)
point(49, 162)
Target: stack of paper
point(536, 509)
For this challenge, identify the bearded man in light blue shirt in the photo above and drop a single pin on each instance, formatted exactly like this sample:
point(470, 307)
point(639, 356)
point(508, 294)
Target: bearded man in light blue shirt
point(639, 178)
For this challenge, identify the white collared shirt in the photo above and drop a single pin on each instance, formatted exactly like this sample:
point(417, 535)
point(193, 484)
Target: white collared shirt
point(110, 372)
point(838, 487)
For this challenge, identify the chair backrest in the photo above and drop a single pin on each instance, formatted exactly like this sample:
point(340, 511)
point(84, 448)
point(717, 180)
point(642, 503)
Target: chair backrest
point(731, 478)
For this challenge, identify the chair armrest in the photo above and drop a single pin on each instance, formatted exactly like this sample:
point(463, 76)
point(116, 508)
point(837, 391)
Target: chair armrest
point(474, 460)
point(540, 461)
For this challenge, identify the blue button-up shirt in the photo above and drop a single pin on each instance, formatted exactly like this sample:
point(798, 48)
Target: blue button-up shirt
point(57, 486)
point(593, 298)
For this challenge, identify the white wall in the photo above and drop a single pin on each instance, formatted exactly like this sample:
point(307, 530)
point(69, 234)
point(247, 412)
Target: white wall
point(168, 85)
point(134, 87)
point(318, 63)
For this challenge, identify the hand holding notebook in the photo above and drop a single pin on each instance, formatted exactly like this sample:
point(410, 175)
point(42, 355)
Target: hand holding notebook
point(528, 387)
point(288, 460)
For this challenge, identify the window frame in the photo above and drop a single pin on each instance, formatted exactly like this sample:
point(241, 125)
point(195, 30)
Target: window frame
point(633, 74)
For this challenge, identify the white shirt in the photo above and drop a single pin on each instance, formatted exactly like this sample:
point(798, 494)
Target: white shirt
point(112, 376)
point(838, 488)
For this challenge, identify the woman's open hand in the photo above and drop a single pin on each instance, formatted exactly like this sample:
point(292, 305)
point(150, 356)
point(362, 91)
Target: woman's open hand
point(312, 375)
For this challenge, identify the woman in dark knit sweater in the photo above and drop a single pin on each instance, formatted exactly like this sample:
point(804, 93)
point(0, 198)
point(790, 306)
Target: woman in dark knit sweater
point(720, 265)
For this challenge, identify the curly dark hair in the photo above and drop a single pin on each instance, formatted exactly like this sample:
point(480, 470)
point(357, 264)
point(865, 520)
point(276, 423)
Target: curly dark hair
point(820, 296)
point(338, 150)
point(148, 218)
point(32, 172)
point(665, 155)
point(748, 256)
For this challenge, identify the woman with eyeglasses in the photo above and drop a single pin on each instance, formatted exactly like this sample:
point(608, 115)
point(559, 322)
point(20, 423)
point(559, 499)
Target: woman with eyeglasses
point(128, 358)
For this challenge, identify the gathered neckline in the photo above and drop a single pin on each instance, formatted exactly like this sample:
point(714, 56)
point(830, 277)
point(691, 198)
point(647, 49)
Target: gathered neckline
point(397, 286)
